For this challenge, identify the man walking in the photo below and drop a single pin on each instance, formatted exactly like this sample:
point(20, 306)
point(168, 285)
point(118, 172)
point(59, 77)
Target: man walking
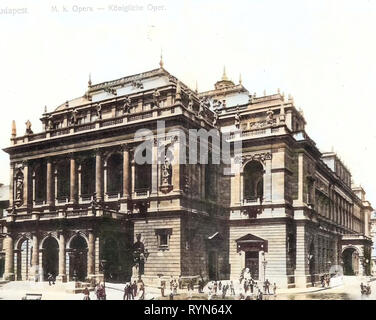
point(232, 288)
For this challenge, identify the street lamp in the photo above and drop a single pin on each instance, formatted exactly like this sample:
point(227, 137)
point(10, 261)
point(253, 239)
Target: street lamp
point(139, 259)
point(264, 263)
point(103, 264)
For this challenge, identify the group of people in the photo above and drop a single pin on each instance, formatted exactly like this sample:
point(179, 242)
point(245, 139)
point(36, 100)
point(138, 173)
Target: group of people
point(173, 286)
point(133, 291)
point(220, 289)
point(325, 280)
point(100, 291)
point(365, 289)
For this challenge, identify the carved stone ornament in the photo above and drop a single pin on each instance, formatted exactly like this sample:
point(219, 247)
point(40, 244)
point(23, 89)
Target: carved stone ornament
point(127, 105)
point(19, 184)
point(257, 157)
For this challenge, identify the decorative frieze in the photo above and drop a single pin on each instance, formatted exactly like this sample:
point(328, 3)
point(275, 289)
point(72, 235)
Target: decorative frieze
point(257, 157)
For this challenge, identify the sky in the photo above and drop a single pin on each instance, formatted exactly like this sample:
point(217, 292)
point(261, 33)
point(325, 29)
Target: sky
point(321, 52)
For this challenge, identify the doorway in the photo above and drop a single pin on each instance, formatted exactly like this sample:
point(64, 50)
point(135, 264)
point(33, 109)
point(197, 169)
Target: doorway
point(252, 263)
point(78, 259)
point(213, 265)
point(50, 257)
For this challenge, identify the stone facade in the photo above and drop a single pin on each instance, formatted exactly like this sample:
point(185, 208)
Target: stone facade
point(82, 208)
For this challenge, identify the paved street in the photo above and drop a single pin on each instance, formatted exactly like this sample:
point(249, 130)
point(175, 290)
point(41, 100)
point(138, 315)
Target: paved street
point(350, 290)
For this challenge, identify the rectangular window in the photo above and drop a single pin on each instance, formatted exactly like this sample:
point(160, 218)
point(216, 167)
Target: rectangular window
point(163, 238)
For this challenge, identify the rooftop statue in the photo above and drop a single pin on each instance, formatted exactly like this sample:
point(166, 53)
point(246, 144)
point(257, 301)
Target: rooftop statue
point(28, 127)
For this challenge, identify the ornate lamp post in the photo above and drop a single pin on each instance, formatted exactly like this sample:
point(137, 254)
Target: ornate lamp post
point(264, 263)
point(139, 258)
point(103, 264)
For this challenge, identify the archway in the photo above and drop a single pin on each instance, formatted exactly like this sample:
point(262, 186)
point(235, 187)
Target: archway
point(24, 259)
point(111, 255)
point(350, 258)
point(50, 257)
point(78, 258)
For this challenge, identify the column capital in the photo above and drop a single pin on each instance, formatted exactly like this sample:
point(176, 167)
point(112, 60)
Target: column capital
point(62, 232)
point(98, 151)
point(125, 147)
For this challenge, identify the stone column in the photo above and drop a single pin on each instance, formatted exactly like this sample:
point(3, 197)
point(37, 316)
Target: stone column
point(73, 180)
point(154, 170)
point(62, 265)
point(11, 183)
point(301, 269)
point(35, 257)
point(98, 176)
point(49, 193)
point(126, 172)
point(9, 259)
point(91, 255)
point(176, 167)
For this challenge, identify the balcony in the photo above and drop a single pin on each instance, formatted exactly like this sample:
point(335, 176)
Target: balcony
point(142, 193)
point(257, 133)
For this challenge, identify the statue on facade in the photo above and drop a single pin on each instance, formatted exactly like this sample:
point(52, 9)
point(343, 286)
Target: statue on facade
point(28, 127)
point(99, 111)
point(190, 103)
point(50, 124)
point(156, 96)
point(269, 116)
point(215, 121)
point(74, 118)
point(166, 172)
point(127, 105)
point(19, 187)
point(237, 120)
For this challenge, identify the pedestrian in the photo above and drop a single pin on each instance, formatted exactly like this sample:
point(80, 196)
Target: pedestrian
point(361, 288)
point(215, 287)
point(130, 292)
point(180, 282)
point(126, 289)
point(220, 285)
point(328, 280)
point(103, 292)
point(163, 286)
point(175, 287)
point(50, 278)
point(224, 290)
point(275, 289)
point(259, 295)
point(142, 292)
point(190, 287)
point(134, 288)
point(171, 282)
point(251, 285)
point(86, 293)
point(232, 288)
point(266, 286)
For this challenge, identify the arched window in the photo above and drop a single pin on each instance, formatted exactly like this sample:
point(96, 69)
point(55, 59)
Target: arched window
point(253, 181)
point(40, 173)
point(88, 177)
point(115, 174)
point(63, 179)
point(142, 176)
